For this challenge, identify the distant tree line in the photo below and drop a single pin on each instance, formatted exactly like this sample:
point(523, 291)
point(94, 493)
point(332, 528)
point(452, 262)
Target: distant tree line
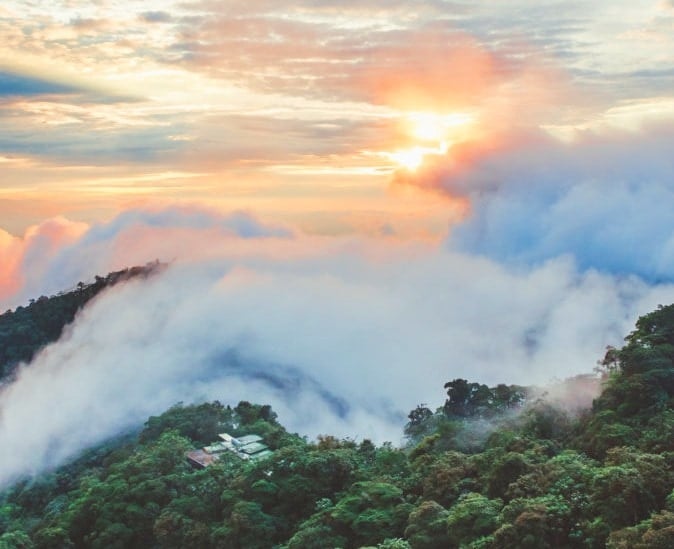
point(27, 329)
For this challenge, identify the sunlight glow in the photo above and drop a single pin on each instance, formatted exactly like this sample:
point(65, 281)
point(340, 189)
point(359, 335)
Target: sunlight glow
point(434, 134)
point(427, 126)
point(411, 159)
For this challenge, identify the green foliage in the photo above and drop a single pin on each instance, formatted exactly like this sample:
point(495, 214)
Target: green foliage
point(487, 470)
point(312, 535)
point(247, 526)
point(24, 331)
point(448, 476)
point(630, 487)
point(465, 399)
point(635, 407)
point(394, 543)
point(16, 540)
point(427, 526)
point(542, 522)
point(504, 471)
point(654, 533)
point(200, 423)
point(371, 511)
point(419, 421)
point(545, 421)
point(472, 517)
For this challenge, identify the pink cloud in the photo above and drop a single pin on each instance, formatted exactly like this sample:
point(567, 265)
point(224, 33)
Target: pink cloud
point(22, 260)
point(9, 258)
point(58, 253)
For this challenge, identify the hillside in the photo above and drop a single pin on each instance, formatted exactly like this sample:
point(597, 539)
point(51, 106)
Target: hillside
point(490, 467)
point(24, 331)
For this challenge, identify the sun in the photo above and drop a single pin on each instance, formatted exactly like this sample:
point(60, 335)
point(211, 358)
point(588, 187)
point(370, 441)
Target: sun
point(409, 159)
point(434, 134)
point(427, 126)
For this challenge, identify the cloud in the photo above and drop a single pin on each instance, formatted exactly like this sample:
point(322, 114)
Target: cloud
point(156, 17)
point(564, 246)
point(61, 128)
point(602, 199)
point(202, 66)
point(13, 84)
point(9, 253)
point(23, 260)
point(85, 25)
point(58, 253)
point(429, 64)
point(446, 69)
point(436, 55)
point(340, 335)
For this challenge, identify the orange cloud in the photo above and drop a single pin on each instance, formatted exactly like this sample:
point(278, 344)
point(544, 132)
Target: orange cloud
point(460, 164)
point(430, 69)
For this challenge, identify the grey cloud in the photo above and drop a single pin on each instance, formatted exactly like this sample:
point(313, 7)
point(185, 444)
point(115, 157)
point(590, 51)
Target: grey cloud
point(240, 224)
point(257, 137)
point(156, 17)
point(88, 24)
point(72, 142)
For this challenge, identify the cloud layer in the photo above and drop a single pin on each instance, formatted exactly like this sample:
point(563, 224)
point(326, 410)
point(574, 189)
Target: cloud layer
point(602, 199)
point(339, 335)
point(58, 253)
point(214, 100)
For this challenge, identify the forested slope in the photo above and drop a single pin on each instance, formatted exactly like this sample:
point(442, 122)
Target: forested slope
point(24, 331)
point(491, 467)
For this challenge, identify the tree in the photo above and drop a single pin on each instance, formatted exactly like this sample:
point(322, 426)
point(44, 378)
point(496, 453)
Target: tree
point(630, 487)
point(371, 511)
point(427, 526)
point(654, 533)
point(16, 540)
point(417, 420)
point(448, 476)
point(505, 469)
point(472, 517)
point(316, 536)
point(461, 396)
point(247, 527)
point(200, 423)
point(534, 523)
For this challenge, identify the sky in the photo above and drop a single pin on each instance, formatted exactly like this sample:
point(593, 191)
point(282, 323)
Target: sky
point(304, 112)
point(359, 201)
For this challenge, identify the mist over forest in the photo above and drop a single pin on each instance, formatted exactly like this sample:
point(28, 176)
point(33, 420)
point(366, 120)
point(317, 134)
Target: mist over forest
point(583, 462)
point(340, 336)
point(333, 274)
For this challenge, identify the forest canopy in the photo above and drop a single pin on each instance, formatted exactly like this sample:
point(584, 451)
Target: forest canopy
point(488, 467)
